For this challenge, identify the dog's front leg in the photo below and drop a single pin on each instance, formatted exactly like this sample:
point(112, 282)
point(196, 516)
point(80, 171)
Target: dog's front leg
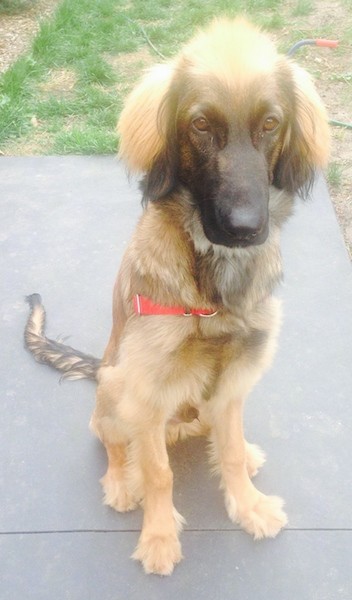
point(158, 548)
point(116, 490)
point(260, 515)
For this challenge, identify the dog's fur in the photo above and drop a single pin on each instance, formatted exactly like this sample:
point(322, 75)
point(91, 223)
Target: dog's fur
point(225, 135)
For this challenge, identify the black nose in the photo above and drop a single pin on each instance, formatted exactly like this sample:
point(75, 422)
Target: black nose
point(247, 225)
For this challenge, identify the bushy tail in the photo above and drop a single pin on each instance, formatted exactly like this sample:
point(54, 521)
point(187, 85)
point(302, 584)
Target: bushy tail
point(72, 363)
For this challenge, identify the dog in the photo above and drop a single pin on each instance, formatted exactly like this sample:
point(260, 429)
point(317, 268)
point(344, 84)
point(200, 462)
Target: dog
point(225, 135)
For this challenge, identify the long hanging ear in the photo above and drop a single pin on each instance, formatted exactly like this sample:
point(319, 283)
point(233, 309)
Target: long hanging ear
point(307, 142)
point(140, 125)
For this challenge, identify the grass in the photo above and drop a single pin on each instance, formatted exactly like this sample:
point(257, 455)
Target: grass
point(11, 7)
point(334, 174)
point(303, 8)
point(101, 48)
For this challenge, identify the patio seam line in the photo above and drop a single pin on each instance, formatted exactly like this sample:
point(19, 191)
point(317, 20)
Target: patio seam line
point(207, 530)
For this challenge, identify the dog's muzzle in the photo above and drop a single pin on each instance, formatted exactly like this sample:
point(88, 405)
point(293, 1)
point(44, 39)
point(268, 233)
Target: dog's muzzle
point(240, 227)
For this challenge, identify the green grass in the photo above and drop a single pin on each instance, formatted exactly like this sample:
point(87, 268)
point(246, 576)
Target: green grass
point(334, 174)
point(303, 8)
point(102, 45)
point(11, 7)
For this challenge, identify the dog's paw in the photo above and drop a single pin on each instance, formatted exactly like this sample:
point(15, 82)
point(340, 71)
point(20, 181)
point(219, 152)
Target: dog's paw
point(255, 458)
point(158, 553)
point(116, 494)
point(262, 517)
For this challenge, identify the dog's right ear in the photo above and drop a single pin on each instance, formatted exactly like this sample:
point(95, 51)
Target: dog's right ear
point(144, 130)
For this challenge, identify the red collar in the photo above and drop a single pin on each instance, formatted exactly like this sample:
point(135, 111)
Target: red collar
point(144, 306)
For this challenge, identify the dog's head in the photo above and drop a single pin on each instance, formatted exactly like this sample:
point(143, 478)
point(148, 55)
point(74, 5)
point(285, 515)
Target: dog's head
point(226, 119)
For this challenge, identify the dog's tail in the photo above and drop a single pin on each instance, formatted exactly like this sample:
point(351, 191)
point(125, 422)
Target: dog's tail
point(72, 363)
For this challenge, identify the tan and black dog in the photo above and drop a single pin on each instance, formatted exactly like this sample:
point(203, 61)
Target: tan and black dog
point(225, 135)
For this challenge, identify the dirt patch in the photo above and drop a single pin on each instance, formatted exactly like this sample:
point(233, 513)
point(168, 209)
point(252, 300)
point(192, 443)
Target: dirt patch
point(60, 82)
point(35, 144)
point(125, 63)
point(129, 64)
point(17, 31)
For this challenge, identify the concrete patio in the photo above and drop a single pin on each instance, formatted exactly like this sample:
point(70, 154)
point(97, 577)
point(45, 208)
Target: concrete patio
point(65, 222)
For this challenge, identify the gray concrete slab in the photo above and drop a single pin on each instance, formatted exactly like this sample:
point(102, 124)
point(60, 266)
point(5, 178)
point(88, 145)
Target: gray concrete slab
point(218, 565)
point(64, 225)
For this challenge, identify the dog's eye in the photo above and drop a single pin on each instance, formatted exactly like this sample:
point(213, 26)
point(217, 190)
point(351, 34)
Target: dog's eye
point(270, 124)
point(201, 124)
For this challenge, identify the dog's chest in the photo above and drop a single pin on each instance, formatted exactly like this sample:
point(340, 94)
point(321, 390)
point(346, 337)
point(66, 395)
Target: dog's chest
point(238, 279)
point(201, 361)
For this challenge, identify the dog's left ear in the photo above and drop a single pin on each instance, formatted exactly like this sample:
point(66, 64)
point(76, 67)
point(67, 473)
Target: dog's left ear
point(146, 130)
point(306, 146)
